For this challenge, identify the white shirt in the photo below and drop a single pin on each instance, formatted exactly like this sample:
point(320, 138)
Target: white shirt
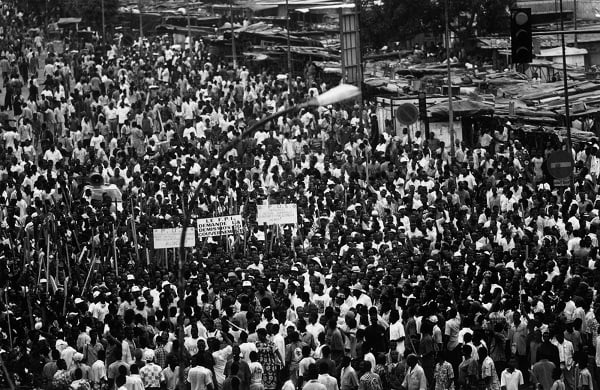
point(199, 378)
point(565, 352)
point(511, 381)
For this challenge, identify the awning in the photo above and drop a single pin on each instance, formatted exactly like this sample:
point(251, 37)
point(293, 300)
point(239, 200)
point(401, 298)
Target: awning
point(557, 52)
point(63, 21)
point(461, 108)
point(493, 43)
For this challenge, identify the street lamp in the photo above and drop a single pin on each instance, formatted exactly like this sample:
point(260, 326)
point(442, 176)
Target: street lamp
point(289, 52)
point(234, 59)
point(103, 28)
point(449, 70)
point(184, 12)
point(335, 95)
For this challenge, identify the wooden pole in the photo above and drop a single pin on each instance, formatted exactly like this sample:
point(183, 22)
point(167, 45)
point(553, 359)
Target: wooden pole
point(29, 308)
point(10, 338)
point(68, 260)
point(87, 279)
point(134, 232)
point(47, 260)
point(11, 384)
point(115, 250)
point(64, 309)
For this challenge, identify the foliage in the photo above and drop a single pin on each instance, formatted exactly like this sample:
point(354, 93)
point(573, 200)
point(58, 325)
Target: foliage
point(397, 20)
point(90, 11)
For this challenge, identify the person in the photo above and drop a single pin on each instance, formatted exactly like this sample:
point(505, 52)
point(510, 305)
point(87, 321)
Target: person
point(269, 358)
point(61, 377)
point(392, 231)
point(324, 378)
point(488, 370)
point(467, 369)
point(567, 364)
point(541, 372)
point(348, 376)
point(415, 376)
point(220, 357)
point(585, 380)
point(151, 372)
point(120, 382)
point(113, 368)
point(312, 382)
point(256, 372)
point(199, 377)
point(133, 381)
point(79, 383)
point(511, 378)
point(232, 381)
point(558, 383)
point(517, 337)
point(170, 375)
point(98, 376)
point(443, 375)
point(243, 372)
point(368, 379)
point(297, 373)
point(427, 351)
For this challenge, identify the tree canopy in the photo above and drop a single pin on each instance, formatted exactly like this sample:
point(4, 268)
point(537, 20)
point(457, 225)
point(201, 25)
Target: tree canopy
point(387, 21)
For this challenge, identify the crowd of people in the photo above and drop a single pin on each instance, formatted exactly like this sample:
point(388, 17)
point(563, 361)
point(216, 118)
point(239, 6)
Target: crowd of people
point(410, 267)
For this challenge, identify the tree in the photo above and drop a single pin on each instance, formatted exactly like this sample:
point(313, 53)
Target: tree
point(90, 11)
point(470, 18)
point(393, 20)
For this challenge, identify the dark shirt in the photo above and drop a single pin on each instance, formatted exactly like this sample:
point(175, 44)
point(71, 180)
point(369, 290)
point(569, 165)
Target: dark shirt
point(331, 364)
point(549, 351)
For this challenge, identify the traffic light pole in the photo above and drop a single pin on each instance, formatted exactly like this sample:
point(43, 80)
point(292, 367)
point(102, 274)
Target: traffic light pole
point(566, 88)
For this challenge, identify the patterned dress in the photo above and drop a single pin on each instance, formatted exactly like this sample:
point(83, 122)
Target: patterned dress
point(443, 376)
point(266, 357)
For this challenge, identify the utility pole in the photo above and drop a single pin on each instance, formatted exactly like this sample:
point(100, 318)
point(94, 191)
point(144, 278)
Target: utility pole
point(141, 28)
point(566, 89)
point(450, 110)
point(289, 51)
point(104, 28)
point(189, 21)
point(232, 35)
point(574, 22)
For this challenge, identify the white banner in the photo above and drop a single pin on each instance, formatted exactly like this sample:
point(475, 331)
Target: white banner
point(170, 238)
point(220, 226)
point(277, 214)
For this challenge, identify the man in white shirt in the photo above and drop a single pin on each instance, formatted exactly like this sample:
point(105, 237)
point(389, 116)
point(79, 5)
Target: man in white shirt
point(511, 378)
point(565, 356)
point(200, 378)
point(325, 379)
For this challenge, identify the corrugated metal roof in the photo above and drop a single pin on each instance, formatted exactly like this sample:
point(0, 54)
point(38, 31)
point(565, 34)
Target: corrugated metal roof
point(539, 7)
point(493, 43)
point(557, 51)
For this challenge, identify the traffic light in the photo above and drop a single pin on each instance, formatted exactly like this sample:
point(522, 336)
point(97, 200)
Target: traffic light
point(521, 39)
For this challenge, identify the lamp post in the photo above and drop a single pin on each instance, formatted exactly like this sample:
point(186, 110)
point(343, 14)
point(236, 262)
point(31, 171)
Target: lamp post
point(566, 88)
point(141, 28)
point(450, 110)
point(103, 27)
point(335, 95)
point(289, 52)
point(232, 35)
point(184, 12)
